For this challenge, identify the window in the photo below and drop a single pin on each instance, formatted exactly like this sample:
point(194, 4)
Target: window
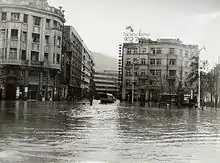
point(46, 56)
point(47, 38)
point(25, 18)
point(186, 54)
point(152, 61)
point(135, 50)
point(58, 58)
point(55, 24)
point(152, 72)
point(34, 56)
point(128, 73)
point(13, 54)
point(128, 61)
point(2, 34)
point(47, 23)
point(15, 16)
point(127, 82)
point(54, 40)
point(24, 36)
point(153, 50)
point(172, 72)
point(172, 83)
point(158, 61)
point(158, 72)
point(143, 72)
point(23, 55)
point(14, 33)
point(135, 73)
point(33, 73)
point(172, 50)
point(59, 41)
point(172, 62)
point(143, 61)
point(36, 20)
point(181, 52)
point(4, 15)
point(54, 58)
point(144, 50)
point(35, 37)
point(135, 82)
point(159, 50)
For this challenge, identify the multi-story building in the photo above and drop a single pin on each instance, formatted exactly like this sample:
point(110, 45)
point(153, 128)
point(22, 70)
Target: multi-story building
point(78, 65)
point(30, 48)
point(87, 72)
point(154, 67)
point(107, 82)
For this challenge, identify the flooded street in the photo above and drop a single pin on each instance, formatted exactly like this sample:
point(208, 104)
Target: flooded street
point(68, 132)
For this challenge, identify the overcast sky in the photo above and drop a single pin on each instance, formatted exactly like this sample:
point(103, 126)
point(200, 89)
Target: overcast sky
point(101, 23)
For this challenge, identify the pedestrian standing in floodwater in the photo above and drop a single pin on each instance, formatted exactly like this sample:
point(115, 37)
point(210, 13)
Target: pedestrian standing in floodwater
point(91, 98)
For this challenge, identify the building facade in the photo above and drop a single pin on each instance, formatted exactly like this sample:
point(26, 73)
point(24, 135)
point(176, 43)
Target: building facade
point(30, 48)
point(107, 82)
point(154, 67)
point(77, 65)
point(88, 71)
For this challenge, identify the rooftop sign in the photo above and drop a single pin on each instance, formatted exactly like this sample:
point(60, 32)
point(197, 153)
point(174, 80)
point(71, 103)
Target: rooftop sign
point(133, 37)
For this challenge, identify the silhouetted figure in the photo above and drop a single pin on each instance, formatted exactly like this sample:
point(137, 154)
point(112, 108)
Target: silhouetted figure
point(91, 98)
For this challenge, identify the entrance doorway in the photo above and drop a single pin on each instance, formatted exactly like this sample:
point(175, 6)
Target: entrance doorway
point(10, 94)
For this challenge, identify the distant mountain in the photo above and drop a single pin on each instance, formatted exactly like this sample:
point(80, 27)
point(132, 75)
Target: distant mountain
point(104, 62)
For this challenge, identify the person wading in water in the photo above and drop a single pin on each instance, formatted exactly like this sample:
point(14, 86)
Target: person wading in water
point(91, 98)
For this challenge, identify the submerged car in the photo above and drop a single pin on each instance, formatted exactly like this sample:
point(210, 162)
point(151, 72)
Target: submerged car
point(107, 98)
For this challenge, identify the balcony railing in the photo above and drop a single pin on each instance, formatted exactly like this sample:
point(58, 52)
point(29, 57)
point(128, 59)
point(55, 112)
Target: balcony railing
point(36, 29)
point(55, 66)
point(37, 63)
point(35, 46)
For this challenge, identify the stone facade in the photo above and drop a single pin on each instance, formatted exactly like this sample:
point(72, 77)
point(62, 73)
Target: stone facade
point(30, 45)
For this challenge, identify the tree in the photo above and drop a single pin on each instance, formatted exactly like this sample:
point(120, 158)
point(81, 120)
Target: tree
point(205, 78)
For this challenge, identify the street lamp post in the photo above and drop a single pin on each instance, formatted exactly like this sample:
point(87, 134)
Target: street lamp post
point(199, 79)
point(132, 96)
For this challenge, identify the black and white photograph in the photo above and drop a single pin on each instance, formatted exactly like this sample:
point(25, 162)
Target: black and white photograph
point(102, 81)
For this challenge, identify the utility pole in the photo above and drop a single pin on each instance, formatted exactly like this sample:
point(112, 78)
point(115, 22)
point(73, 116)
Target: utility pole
point(199, 80)
point(132, 96)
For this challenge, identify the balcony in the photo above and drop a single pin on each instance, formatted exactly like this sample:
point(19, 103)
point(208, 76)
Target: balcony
point(14, 62)
point(172, 77)
point(23, 45)
point(13, 43)
point(35, 46)
point(37, 63)
point(46, 48)
point(47, 31)
point(24, 27)
point(36, 29)
point(15, 25)
point(143, 77)
point(55, 66)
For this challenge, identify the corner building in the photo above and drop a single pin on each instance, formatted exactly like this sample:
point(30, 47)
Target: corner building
point(155, 67)
point(30, 49)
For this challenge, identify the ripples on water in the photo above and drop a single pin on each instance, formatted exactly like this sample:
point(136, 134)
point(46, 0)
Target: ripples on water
point(67, 132)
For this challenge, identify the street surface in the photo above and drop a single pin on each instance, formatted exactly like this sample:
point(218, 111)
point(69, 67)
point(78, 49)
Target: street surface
point(33, 132)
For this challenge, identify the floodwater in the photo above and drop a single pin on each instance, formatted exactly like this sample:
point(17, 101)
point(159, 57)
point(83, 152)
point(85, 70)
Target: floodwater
point(68, 132)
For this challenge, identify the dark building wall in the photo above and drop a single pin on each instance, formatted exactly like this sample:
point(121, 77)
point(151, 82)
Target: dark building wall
point(72, 51)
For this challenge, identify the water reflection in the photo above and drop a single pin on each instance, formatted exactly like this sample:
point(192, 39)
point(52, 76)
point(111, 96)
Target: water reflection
point(67, 132)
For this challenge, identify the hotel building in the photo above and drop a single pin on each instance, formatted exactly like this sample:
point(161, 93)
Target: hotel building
point(154, 67)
